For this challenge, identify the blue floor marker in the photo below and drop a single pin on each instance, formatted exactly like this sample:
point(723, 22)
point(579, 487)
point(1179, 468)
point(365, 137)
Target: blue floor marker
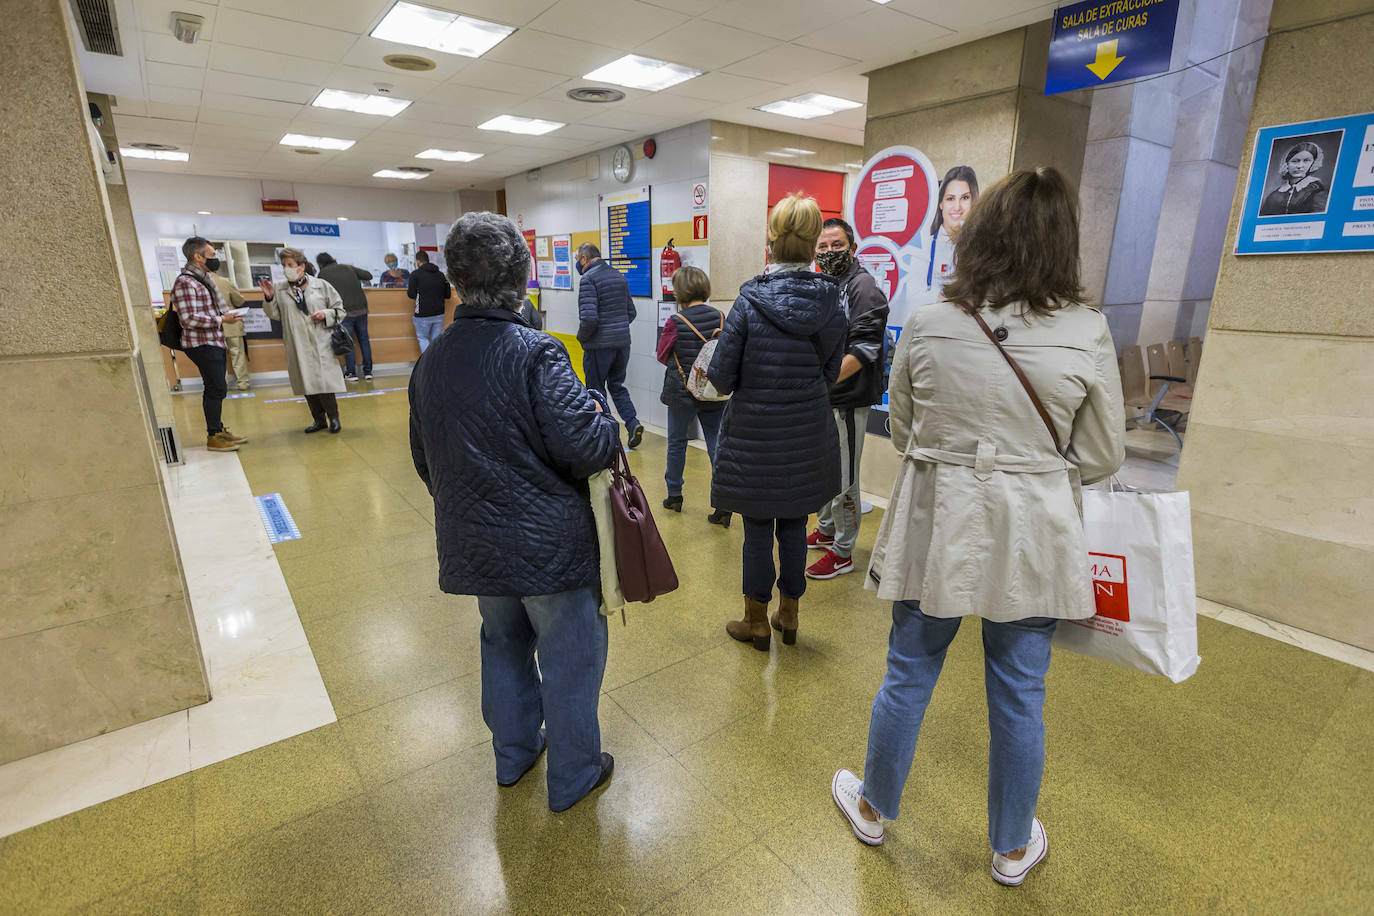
point(241, 394)
point(276, 518)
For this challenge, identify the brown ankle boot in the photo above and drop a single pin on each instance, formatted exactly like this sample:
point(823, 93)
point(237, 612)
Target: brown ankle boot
point(785, 619)
point(754, 626)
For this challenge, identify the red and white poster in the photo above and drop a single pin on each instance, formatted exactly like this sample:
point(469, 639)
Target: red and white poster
point(878, 255)
point(892, 200)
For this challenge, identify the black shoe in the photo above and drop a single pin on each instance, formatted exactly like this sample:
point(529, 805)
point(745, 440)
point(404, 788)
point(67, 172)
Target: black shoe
point(334, 426)
point(673, 503)
point(350, 376)
point(315, 427)
point(636, 436)
point(542, 748)
point(719, 517)
point(607, 767)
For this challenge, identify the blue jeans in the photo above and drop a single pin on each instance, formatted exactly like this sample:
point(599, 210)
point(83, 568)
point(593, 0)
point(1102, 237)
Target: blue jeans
point(759, 571)
point(1016, 656)
point(427, 330)
point(605, 371)
point(569, 634)
point(356, 326)
point(680, 430)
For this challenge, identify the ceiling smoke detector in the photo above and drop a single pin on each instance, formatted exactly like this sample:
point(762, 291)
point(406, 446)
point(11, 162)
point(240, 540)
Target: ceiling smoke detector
point(186, 27)
point(412, 62)
point(595, 94)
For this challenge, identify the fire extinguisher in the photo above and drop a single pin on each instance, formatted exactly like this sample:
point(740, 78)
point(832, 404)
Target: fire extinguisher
point(668, 263)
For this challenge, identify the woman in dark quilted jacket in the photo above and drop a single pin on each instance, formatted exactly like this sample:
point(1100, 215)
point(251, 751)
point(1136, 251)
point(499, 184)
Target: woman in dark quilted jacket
point(779, 454)
point(684, 335)
point(505, 436)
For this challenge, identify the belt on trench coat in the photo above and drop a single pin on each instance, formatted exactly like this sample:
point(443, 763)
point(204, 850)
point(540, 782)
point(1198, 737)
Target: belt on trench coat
point(986, 460)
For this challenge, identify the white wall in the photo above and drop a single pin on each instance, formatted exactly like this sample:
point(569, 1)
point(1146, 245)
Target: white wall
point(563, 201)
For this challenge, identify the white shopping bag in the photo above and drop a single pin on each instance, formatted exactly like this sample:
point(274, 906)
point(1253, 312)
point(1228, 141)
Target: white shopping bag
point(1140, 547)
point(599, 487)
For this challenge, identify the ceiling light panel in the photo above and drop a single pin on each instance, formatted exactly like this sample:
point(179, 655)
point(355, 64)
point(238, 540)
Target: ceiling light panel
point(642, 73)
point(517, 125)
point(360, 102)
point(422, 27)
point(129, 152)
point(448, 155)
point(334, 143)
point(811, 105)
point(397, 173)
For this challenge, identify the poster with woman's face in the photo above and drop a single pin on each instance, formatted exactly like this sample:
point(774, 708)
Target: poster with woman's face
point(1298, 176)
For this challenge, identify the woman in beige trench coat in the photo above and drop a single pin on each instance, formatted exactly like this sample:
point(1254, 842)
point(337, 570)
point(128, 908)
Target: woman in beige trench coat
point(984, 517)
point(308, 308)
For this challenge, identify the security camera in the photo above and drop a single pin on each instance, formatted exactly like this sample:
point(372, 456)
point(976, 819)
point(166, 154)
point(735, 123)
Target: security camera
point(383, 88)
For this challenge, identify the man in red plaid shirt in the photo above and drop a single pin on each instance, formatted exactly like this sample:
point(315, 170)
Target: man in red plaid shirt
point(199, 308)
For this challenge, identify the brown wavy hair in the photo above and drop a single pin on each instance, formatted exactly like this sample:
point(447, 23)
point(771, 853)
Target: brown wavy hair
point(1019, 244)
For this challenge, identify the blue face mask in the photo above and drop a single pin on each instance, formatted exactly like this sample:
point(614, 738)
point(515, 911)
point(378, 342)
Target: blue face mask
point(390, 265)
point(580, 268)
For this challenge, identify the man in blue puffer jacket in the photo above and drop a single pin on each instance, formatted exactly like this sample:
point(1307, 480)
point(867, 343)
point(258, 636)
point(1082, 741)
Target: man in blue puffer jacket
point(505, 436)
point(604, 313)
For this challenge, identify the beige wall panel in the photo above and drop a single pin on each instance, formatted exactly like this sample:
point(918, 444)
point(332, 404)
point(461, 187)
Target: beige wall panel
point(1303, 294)
point(80, 427)
point(1050, 132)
point(71, 682)
point(973, 69)
point(78, 557)
point(978, 132)
point(739, 222)
point(51, 190)
point(1309, 583)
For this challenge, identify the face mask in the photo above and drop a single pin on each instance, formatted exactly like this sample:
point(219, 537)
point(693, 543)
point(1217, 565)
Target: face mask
point(835, 263)
point(212, 264)
point(580, 268)
point(390, 265)
point(293, 273)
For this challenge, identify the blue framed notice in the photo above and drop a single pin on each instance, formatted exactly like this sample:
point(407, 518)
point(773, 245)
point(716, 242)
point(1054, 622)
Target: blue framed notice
point(1107, 41)
point(1311, 189)
point(300, 227)
point(625, 232)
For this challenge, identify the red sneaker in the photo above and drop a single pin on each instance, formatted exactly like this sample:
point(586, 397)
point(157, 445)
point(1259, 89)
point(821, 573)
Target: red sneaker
point(818, 541)
point(830, 566)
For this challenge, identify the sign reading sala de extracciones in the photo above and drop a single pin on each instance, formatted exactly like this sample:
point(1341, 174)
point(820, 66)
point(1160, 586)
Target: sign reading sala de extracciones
point(1311, 188)
point(1106, 41)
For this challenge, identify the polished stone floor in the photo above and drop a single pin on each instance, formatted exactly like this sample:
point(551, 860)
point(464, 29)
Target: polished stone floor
point(1244, 789)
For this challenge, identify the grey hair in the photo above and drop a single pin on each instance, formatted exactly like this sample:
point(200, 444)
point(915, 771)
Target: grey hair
point(588, 250)
point(488, 261)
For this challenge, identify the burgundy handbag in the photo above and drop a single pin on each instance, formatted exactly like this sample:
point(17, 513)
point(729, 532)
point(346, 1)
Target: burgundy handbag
point(645, 569)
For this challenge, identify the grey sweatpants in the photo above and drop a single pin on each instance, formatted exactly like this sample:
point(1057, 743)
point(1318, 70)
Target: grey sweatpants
point(840, 517)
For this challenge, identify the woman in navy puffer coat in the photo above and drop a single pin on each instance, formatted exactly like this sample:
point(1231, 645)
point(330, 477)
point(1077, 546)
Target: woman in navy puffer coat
point(779, 455)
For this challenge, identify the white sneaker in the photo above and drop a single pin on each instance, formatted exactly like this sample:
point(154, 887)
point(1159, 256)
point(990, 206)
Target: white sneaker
point(1005, 871)
point(846, 789)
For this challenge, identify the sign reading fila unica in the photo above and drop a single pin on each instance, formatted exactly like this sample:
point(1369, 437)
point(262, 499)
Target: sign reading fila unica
point(1109, 586)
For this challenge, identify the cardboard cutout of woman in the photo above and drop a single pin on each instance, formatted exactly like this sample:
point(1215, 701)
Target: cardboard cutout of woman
point(958, 191)
point(1300, 191)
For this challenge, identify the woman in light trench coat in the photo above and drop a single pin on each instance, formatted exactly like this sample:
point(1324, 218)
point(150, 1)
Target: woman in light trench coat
point(984, 516)
point(308, 308)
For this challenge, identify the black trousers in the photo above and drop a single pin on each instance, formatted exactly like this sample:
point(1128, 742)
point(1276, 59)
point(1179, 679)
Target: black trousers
point(759, 571)
point(211, 362)
point(323, 405)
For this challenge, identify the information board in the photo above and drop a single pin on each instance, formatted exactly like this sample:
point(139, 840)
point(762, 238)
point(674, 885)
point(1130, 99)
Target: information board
point(1097, 42)
point(1311, 188)
point(625, 236)
point(562, 262)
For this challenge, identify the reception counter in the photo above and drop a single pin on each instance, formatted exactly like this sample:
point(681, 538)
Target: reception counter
point(388, 323)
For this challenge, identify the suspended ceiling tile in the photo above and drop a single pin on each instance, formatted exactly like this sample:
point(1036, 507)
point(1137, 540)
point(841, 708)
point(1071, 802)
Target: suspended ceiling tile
point(706, 45)
point(724, 87)
point(786, 19)
point(228, 101)
point(874, 34)
point(781, 63)
point(618, 23)
point(555, 53)
point(156, 15)
point(490, 74)
point(166, 49)
point(258, 87)
point(130, 107)
point(348, 15)
point(252, 61)
point(283, 36)
point(172, 95)
point(686, 7)
point(154, 130)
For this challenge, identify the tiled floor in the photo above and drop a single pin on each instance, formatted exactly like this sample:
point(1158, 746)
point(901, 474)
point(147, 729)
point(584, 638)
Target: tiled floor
point(1242, 789)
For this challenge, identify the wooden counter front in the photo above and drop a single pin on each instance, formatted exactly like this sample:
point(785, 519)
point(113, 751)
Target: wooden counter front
point(389, 328)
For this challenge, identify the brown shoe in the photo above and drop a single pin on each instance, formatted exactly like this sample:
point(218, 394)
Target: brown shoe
point(754, 627)
point(785, 620)
point(241, 440)
point(219, 443)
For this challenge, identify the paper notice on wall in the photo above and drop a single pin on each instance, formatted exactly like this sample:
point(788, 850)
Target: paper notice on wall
point(255, 321)
point(892, 174)
point(541, 247)
point(168, 258)
point(665, 311)
point(889, 215)
point(890, 189)
point(1289, 231)
point(546, 274)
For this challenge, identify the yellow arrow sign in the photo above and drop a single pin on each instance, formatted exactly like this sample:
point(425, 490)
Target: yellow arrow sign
point(1106, 61)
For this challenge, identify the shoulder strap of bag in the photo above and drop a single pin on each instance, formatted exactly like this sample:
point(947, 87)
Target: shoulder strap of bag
point(1025, 382)
point(692, 326)
point(214, 293)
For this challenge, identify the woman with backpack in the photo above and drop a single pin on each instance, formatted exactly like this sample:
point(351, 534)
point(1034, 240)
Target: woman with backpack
point(684, 336)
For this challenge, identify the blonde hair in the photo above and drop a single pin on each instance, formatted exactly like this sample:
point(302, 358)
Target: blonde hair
point(793, 227)
point(690, 284)
point(294, 254)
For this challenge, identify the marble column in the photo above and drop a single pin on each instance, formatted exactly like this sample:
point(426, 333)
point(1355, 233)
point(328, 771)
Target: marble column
point(95, 628)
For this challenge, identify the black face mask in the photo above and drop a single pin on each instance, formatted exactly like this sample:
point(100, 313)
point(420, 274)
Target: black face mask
point(835, 263)
point(212, 265)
